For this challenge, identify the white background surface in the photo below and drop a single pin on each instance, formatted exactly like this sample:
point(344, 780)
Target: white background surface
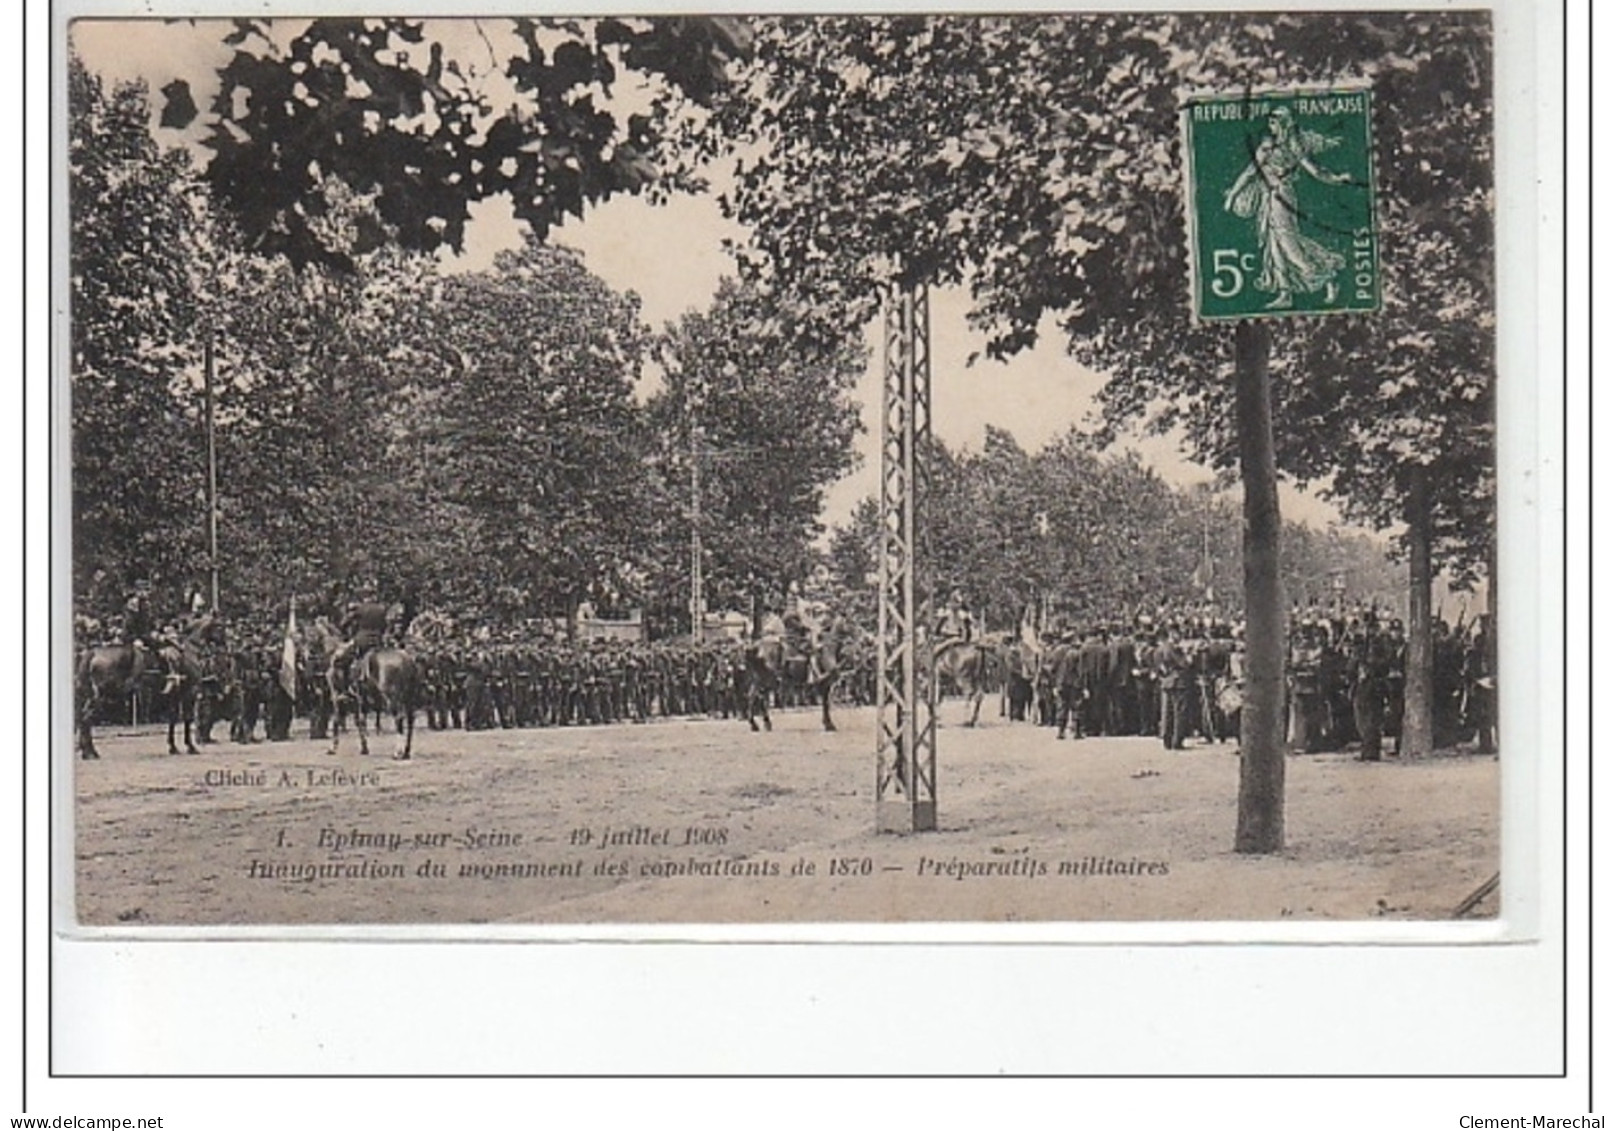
point(324, 1007)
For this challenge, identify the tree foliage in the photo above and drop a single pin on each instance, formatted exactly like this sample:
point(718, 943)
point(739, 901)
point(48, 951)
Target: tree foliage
point(533, 433)
point(137, 450)
point(773, 425)
point(1034, 160)
point(1083, 537)
point(374, 105)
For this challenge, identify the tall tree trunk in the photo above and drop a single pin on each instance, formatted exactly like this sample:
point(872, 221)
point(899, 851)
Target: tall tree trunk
point(1260, 826)
point(1417, 710)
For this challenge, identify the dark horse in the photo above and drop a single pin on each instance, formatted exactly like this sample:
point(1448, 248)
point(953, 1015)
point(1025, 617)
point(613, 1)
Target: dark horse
point(389, 676)
point(186, 665)
point(101, 672)
point(973, 667)
point(813, 665)
point(119, 668)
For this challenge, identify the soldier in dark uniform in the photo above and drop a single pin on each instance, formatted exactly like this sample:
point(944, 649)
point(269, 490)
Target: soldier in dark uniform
point(1146, 683)
point(1447, 683)
point(597, 683)
point(280, 707)
point(138, 626)
point(636, 706)
point(364, 627)
point(1046, 688)
point(216, 691)
point(478, 710)
point(1480, 687)
point(1093, 673)
point(575, 680)
point(1017, 684)
point(1370, 666)
point(1335, 680)
point(1173, 675)
point(315, 682)
point(1395, 683)
point(500, 670)
point(1211, 674)
point(1068, 685)
point(1307, 691)
point(247, 688)
point(1121, 698)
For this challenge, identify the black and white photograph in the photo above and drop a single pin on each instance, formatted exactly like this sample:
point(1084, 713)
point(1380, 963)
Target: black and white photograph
point(525, 472)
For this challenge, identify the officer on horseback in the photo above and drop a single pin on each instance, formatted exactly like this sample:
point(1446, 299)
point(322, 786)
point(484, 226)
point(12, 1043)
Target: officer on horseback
point(138, 624)
point(363, 628)
point(955, 621)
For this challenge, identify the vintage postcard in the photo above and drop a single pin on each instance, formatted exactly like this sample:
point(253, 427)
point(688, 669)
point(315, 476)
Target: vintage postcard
point(538, 472)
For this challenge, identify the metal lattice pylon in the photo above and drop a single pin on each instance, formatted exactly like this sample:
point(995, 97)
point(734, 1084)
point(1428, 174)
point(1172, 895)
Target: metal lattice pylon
point(905, 734)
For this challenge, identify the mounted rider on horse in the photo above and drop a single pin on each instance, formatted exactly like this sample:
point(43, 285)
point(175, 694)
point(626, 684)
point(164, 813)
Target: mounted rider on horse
point(182, 653)
point(964, 662)
point(364, 629)
point(798, 656)
point(364, 664)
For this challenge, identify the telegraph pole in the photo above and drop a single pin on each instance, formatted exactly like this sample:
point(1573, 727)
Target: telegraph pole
point(905, 731)
point(698, 601)
point(697, 581)
point(212, 472)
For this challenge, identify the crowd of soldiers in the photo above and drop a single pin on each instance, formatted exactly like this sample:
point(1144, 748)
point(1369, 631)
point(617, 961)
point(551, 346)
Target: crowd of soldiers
point(1171, 677)
point(1347, 676)
point(1175, 675)
point(1180, 677)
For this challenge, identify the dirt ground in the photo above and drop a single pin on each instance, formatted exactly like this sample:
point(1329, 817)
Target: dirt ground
point(701, 821)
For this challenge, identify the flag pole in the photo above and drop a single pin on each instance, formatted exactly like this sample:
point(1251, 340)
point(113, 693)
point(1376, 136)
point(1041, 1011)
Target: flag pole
point(1205, 542)
point(212, 473)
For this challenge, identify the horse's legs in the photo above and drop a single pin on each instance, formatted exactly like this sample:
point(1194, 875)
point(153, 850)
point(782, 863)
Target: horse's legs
point(88, 701)
point(825, 687)
point(173, 718)
point(359, 722)
point(336, 710)
point(188, 706)
point(975, 708)
point(409, 731)
point(757, 697)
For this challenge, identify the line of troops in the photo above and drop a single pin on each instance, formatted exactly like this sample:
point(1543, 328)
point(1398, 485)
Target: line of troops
point(485, 684)
point(476, 678)
point(1173, 677)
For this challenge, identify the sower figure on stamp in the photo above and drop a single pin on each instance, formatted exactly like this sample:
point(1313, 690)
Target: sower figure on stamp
point(1265, 191)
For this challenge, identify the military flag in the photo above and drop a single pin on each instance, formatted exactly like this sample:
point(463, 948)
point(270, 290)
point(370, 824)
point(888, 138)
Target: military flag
point(288, 654)
point(1205, 571)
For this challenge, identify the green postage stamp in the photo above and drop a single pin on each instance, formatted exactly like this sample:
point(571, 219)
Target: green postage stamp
point(1281, 202)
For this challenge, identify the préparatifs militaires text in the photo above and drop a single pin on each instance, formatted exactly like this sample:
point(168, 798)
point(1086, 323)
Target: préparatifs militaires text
point(361, 854)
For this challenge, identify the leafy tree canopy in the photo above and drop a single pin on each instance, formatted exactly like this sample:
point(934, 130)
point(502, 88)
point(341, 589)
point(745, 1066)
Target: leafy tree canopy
point(1035, 160)
point(376, 105)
